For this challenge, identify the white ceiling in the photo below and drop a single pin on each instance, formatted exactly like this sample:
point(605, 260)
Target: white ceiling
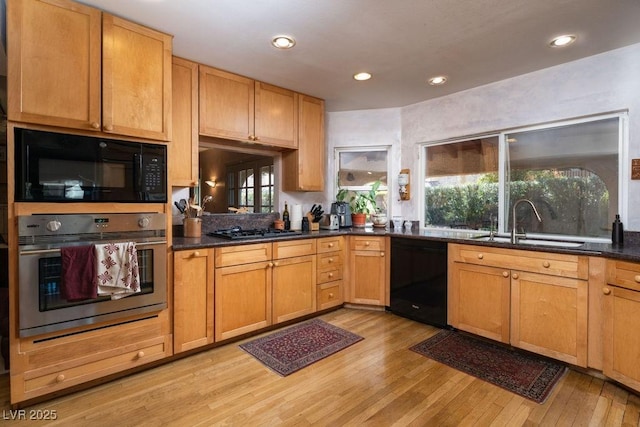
point(401, 42)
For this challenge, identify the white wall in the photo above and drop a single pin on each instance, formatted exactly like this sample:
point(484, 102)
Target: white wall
point(599, 84)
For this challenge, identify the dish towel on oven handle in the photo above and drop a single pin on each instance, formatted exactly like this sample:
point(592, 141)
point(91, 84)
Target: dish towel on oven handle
point(117, 269)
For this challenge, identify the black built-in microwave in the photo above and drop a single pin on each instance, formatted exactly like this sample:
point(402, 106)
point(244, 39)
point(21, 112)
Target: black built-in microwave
point(55, 167)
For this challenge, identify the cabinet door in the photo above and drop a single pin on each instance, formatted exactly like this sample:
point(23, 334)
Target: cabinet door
point(549, 316)
point(183, 149)
point(294, 287)
point(226, 104)
point(242, 299)
point(136, 80)
point(276, 116)
point(304, 168)
point(54, 63)
point(478, 300)
point(621, 313)
point(367, 277)
point(193, 277)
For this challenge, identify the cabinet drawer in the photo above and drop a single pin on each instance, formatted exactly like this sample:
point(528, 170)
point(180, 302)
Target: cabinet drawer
point(574, 266)
point(330, 244)
point(624, 274)
point(365, 243)
point(329, 295)
point(292, 248)
point(330, 259)
point(242, 254)
point(329, 274)
point(46, 380)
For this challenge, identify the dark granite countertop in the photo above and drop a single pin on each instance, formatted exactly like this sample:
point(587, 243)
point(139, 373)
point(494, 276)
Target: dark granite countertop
point(629, 251)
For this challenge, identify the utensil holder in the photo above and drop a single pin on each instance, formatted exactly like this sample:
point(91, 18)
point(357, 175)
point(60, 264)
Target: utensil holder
point(192, 227)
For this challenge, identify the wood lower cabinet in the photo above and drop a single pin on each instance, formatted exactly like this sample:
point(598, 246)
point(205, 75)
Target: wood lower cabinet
point(183, 149)
point(537, 301)
point(193, 284)
point(479, 300)
point(294, 279)
point(239, 108)
point(243, 289)
point(52, 363)
point(330, 272)
point(72, 66)
point(368, 270)
point(549, 316)
point(621, 323)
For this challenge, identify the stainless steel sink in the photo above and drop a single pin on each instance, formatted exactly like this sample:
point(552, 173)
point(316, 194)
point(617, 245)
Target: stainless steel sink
point(531, 241)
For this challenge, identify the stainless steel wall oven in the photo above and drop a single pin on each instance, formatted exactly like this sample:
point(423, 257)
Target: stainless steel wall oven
point(43, 308)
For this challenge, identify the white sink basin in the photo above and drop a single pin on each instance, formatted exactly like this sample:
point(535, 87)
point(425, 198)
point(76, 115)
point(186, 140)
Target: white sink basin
point(537, 242)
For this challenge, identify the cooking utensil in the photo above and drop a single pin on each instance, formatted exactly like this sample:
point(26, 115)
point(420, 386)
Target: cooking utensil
point(180, 208)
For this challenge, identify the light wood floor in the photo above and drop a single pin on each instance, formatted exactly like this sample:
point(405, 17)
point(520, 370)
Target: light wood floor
point(377, 381)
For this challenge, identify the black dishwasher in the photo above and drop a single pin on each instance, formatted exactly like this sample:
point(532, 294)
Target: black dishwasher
point(419, 280)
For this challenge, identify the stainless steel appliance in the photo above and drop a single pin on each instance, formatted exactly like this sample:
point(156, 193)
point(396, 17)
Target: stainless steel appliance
point(419, 280)
point(238, 233)
point(329, 222)
point(40, 238)
point(55, 167)
point(343, 211)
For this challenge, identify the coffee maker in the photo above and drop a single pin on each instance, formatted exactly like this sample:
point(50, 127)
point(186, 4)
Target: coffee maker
point(343, 211)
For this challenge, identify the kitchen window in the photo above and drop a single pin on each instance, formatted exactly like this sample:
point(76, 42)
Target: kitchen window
point(250, 185)
point(571, 171)
point(359, 168)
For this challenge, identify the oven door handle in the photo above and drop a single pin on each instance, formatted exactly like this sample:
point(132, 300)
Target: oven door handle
point(52, 251)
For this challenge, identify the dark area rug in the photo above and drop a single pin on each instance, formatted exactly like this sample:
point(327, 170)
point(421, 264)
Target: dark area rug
point(520, 373)
point(292, 349)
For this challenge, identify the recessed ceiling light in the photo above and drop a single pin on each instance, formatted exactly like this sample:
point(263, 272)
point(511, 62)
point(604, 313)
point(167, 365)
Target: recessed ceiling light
point(362, 76)
point(561, 41)
point(437, 80)
point(283, 42)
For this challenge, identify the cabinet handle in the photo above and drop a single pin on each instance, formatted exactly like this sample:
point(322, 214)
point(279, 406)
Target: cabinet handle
point(505, 274)
point(546, 264)
point(60, 378)
point(606, 291)
point(256, 138)
point(480, 256)
point(381, 253)
point(330, 294)
point(515, 275)
point(275, 264)
point(330, 260)
point(140, 354)
point(108, 128)
point(330, 245)
point(251, 137)
point(367, 243)
point(269, 265)
point(196, 253)
point(330, 275)
point(95, 125)
point(637, 278)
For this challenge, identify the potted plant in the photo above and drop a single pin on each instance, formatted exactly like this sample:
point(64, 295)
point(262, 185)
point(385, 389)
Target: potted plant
point(363, 203)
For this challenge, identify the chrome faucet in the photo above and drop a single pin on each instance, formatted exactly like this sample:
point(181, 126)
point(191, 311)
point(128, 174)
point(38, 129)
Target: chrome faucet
point(514, 234)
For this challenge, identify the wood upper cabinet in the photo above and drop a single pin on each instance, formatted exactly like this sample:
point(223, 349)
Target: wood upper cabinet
point(193, 286)
point(368, 270)
point(183, 150)
point(54, 59)
point(537, 301)
point(621, 323)
point(60, 52)
point(239, 108)
point(304, 168)
point(136, 80)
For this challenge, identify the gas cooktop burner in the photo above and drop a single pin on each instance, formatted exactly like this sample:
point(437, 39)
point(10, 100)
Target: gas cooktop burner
point(237, 233)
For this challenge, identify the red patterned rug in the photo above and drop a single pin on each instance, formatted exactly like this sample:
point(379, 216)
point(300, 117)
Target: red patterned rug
point(292, 349)
point(520, 373)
